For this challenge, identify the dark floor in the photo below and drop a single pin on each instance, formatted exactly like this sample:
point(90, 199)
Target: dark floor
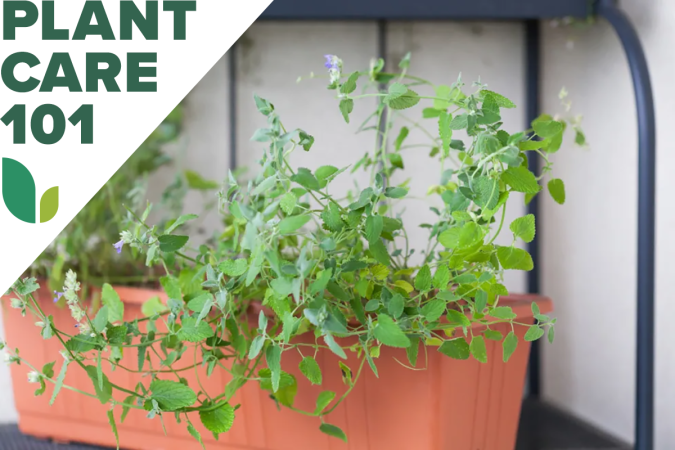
point(541, 428)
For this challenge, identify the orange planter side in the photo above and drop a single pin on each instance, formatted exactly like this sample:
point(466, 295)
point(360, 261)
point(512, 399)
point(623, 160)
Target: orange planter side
point(453, 405)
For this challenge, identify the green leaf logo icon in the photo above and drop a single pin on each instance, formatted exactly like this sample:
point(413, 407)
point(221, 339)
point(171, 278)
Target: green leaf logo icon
point(18, 192)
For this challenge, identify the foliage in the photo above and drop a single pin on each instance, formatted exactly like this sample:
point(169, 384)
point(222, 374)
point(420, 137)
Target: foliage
point(335, 267)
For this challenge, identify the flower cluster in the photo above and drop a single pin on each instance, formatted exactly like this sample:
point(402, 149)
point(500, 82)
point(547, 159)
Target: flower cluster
point(334, 66)
point(70, 289)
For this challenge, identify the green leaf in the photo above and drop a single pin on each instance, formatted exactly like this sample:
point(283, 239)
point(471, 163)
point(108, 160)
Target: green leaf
point(198, 303)
point(450, 238)
point(171, 286)
point(456, 317)
point(502, 101)
point(493, 335)
point(444, 130)
point(18, 190)
point(101, 320)
point(195, 434)
point(379, 252)
point(551, 334)
point(233, 268)
point(433, 310)
point(487, 192)
point(256, 346)
point(395, 192)
point(196, 181)
point(153, 306)
point(556, 188)
point(534, 333)
point(331, 218)
point(305, 179)
point(324, 173)
point(172, 395)
point(219, 420)
point(288, 202)
point(412, 351)
point(503, 312)
point(292, 224)
point(323, 401)
point(521, 180)
point(334, 346)
point(509, 345)
point(547, 128)
point(524, 228)
point(349, 86)
point(48, 370)
point(263, 105)
point(478, 349)
point(455, 349)
point(265, 185)
point(396, 305)
point(191, 332)
point(396, 160)
point(103, 391)
point(332, 430)
point(117, 335)
point(405, 131)
point(441, 277)
point(311, 370)
point(49, 204)
point(515, 258)
point(112, 301)
point(346, 108)
point(423, 279)
point(169, 243)
point(113, 426)
point(395, 91)
point(374, 225)
point(180, 221)
point(389, 333)
point(442, 93)
point(273, 358)
point(407, 100)
point(59, 382)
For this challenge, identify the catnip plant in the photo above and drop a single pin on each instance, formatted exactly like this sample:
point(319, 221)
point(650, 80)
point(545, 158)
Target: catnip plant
point(296, 260)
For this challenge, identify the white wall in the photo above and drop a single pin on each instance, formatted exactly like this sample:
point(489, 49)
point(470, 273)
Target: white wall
point(588, 244)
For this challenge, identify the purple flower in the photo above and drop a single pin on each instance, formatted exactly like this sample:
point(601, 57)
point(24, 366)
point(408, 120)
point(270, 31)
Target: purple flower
point(119, 246)
point(331, 62)
point(58, 296)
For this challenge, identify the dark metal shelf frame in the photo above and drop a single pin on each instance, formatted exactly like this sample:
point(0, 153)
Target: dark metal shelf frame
point(530, 12)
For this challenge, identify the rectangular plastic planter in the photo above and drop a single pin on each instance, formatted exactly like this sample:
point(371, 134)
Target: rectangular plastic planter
point(452, 405)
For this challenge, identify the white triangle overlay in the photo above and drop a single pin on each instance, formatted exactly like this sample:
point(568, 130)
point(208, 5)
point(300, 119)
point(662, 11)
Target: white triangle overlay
point(122, 121)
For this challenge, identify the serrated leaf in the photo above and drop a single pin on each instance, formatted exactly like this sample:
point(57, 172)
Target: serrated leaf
point(263, 105)
point(513, 258)
point(524, 228)
point(169, 243)
point(503, 312)
point(501, 101)
point(332, 430)
point(113, 427)
point(180, 221)
point(311, 370)
point(193, 332)
point(456, 317)
point(305, 179)
point(455, 349)
point(556, 188)
point(288, 202)
point(349, 86)
point(104, 389)
point(509, 346)
point(478, 349)
point(402, 135)
point(487, 192)
point(547, 128)
point(411, 352)
point(380, 253)
point(389, 333)
point(441, 277)
point(273, 358)
point(171, 395)
point(219, 420)
point(521, 180)
point(334, 346)
point(59, 382)
point(407, 100)
point(233, 268)
point(331, 218)
point(433, 310)
point(423, 279)
point(101, 320)
point(112, 301)
point(324, 173)
point(396, 305)
point(153, 306)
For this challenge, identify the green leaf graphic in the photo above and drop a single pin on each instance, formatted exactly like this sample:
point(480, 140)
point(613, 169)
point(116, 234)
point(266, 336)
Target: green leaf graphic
point(49, 204)
point(18, 190)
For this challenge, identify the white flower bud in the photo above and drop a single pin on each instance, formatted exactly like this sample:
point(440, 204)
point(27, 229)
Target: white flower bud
point(34, 377)
point(17, 304)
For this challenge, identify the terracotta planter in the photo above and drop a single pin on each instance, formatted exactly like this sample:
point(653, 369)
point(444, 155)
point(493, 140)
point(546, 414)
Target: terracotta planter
point(453, 405)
